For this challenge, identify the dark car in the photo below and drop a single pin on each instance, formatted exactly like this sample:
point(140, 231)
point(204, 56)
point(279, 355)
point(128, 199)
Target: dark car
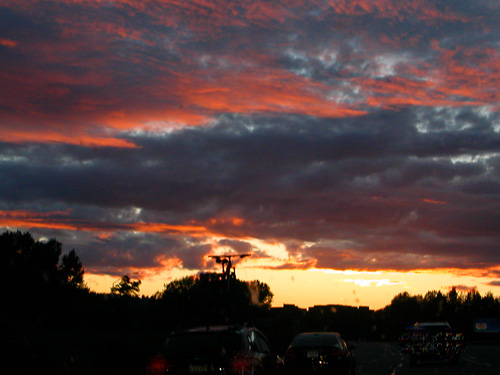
point(319, 353)
point(215, 350)
point(433, 341)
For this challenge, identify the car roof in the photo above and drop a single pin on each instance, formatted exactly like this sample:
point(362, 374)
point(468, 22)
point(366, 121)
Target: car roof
point(216, 329)
point(432, 324)
point(318, 334)
point(316, 337)
point(212, 329)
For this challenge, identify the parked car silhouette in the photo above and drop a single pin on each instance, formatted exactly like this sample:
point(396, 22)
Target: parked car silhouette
point(319, 353)
point(216, 350)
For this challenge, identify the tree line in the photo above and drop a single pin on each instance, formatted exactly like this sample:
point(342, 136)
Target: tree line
point(460, 309)
point(36, 278)
point(52, 320)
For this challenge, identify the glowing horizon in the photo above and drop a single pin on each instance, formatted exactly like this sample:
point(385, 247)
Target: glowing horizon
point(325, 287)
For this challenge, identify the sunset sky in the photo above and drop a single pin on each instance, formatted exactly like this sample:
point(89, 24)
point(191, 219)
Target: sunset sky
point(352, 146)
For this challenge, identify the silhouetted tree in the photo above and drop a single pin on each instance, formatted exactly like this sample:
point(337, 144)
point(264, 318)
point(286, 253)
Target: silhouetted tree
point(126, 287)
point(30, 267)
point(177, 288)
point(72, 271)
point(36, 285)
point(260, 293)
point(405, 309)
point(208, 298)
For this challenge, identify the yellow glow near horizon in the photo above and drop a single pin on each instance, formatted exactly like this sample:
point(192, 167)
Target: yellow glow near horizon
point(306, 288)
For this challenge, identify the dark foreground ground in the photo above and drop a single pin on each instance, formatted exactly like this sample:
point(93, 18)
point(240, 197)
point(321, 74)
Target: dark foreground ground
point(95, 352)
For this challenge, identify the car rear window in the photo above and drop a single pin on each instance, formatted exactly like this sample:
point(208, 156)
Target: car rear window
point(202, 343)
point(317, 340)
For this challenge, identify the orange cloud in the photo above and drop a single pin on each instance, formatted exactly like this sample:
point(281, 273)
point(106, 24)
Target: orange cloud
point(461, 77)
point(264, 90)
point(421, 9)
point(60, 220)
point(129, 119)
point(232, 220)
point(28, 219)
point(433, 201)
point(15, 136)
point(8, 43)
point(161, 227)
point(471, 73)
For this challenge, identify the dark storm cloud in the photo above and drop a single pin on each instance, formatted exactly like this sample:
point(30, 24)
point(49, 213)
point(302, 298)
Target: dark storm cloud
point(126, 251)
point(269, 155)
point(117, 253)
point(372, 192)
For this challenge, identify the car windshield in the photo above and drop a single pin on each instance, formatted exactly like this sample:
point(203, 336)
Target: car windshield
point(202, 343)
point(317, 340)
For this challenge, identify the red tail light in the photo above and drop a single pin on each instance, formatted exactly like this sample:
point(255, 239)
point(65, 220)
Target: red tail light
point(241, 364)
point(290, 352)
point(335, 352)
point(158, 366)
